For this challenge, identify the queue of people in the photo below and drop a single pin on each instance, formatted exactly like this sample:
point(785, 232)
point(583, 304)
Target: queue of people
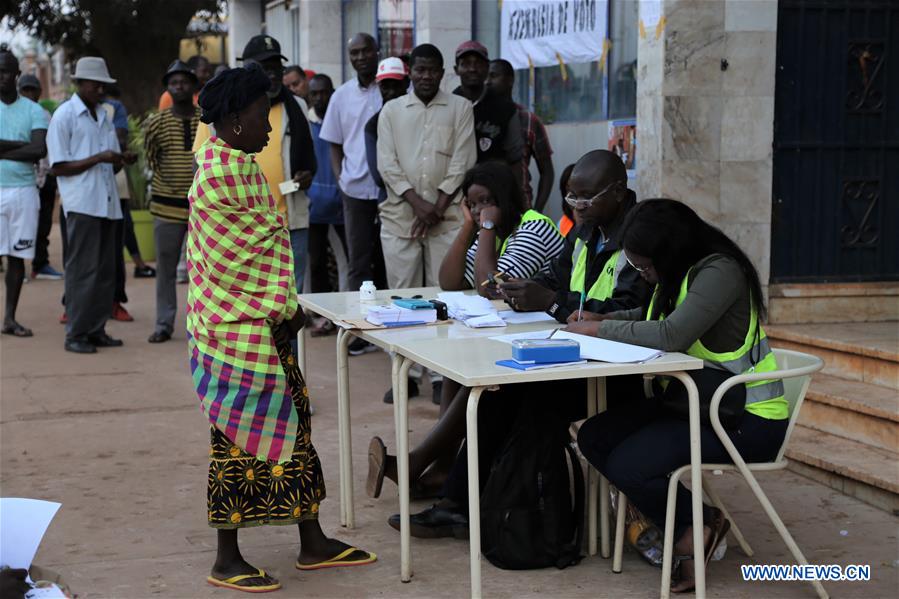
point(271, 176)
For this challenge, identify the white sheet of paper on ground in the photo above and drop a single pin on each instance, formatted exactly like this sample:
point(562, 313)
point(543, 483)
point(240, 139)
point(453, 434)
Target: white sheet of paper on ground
point(516, 336)
point(50, 592)
point(485, 322)
point(603, 350)
point(462, 307)
point(513, 317)
point(23, 523)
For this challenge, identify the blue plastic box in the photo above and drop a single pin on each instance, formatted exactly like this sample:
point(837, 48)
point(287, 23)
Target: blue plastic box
point(540, 351)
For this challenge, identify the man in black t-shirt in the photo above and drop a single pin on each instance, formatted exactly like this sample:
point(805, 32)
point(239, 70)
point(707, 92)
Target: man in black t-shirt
point(496, 123)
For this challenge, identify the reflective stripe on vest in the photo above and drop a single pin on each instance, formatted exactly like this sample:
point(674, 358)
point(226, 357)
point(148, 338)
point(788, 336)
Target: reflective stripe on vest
point(753, 356)
point(607, 280)
point(530, 215)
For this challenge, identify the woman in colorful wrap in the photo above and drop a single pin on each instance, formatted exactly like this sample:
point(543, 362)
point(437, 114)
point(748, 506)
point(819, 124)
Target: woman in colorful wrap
point(707, 303)
point(242, 314)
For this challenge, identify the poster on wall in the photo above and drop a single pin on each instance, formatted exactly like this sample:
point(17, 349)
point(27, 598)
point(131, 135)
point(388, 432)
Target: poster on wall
point(544, 33)
point(623, 141)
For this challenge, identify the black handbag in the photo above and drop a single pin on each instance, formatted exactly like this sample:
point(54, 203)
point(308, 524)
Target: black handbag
point(732, 406)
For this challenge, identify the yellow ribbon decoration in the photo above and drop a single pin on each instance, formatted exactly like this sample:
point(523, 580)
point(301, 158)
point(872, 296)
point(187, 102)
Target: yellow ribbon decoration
point(531, 72)
point(642, 30)
point(606, 45)
point(660, 26)
point(562, 67)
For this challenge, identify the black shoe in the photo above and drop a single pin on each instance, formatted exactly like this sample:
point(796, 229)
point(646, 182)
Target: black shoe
point(80, 347)
point(434, 523)
point(437, 392)
point(159, 337)
point(144, 272)
point(413, 392)
point(104, 340)
point(358, 346)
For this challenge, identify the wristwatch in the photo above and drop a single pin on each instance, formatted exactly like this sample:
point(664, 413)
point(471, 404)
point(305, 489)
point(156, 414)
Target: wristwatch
point(488, 224)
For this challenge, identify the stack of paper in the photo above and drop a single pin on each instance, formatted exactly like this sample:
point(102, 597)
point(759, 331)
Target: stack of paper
point(392, 315)
point(485, 321)
point(513, 317)
point(462, 306)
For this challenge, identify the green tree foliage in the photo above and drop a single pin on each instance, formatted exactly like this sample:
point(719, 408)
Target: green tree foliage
point(138, 38)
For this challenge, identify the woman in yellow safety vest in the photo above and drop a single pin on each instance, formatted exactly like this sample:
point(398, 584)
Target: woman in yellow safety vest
point(498, 235)
point(707, 303)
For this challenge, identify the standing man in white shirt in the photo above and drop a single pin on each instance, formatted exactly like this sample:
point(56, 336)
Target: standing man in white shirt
point(351, 106)
point(85, 155)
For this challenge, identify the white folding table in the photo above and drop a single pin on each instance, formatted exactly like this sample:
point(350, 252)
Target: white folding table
point(468, 357)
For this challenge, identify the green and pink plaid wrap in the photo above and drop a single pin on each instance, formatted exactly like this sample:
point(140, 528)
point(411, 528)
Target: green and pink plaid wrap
point(240, 270)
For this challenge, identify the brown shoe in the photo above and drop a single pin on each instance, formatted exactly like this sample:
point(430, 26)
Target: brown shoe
point(120, 313)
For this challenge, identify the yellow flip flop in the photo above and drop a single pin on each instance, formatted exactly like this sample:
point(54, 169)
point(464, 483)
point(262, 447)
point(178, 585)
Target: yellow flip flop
point(231, 583)
point(338, 561)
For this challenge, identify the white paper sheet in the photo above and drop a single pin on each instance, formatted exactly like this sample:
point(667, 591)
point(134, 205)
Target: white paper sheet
point(604, 350)
point(485, 322)
point(513, 317)
point(23, 523)
point(516, 336)
point(461, 306)
point(50, 592)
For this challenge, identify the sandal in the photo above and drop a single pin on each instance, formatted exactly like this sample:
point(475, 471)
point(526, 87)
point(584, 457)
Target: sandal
point(719, 525)
point(377, 467)
point(232, 583)
point(339, 560)
point(16, 330)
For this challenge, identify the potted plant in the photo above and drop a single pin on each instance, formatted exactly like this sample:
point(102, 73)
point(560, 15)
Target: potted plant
point(138, 182)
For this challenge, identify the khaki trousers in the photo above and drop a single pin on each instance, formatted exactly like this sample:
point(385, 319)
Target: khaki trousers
point(414, 262)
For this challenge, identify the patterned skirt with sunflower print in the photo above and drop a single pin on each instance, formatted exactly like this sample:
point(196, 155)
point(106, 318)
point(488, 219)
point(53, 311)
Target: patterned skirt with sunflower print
point(244, 491)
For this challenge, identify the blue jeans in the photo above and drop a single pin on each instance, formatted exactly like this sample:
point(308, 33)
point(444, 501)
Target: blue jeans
point(299, 243)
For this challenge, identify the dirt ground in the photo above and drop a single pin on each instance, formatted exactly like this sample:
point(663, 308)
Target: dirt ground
point(119, 439)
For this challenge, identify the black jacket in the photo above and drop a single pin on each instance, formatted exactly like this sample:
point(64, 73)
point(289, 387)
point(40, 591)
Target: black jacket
point(630, 292)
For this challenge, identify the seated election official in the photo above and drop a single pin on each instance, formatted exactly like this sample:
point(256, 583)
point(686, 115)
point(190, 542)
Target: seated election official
point(708, 303)
point(497, 235)
point(596, 270)
point(592, 267)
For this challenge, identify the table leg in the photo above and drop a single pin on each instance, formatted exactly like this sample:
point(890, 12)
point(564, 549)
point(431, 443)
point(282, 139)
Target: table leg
point(695, 482)
point(401, 410)
point(603, 483)
point(474, 490)
point(592, 476)
point(345, 461)
point(301, 351)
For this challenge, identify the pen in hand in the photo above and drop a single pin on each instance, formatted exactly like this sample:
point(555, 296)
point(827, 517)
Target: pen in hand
point(580, 311)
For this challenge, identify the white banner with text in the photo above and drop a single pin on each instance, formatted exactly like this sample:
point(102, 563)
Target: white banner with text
point(544, 33)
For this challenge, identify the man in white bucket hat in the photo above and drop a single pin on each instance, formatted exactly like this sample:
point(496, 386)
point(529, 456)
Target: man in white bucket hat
point(85, 155)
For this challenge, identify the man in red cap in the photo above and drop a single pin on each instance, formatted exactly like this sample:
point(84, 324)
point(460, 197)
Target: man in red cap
point(496, 123)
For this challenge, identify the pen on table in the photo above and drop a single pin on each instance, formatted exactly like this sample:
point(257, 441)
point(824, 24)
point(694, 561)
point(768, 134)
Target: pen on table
point(493, 277)
point(580, 311)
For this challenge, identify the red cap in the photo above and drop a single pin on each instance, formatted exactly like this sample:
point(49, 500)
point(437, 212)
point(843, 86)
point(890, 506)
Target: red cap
point(309, 73)
point(472, 46)
point(391, 68)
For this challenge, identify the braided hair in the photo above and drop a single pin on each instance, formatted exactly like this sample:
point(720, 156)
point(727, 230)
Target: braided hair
point(231, 91)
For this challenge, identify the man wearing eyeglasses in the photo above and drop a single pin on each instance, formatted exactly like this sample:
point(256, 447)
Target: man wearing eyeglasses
point(592, 273)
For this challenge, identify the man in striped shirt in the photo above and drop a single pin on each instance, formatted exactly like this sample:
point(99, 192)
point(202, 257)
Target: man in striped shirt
point(168, 139)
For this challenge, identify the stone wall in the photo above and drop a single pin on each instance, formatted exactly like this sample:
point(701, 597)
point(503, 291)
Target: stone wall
point(705, 115)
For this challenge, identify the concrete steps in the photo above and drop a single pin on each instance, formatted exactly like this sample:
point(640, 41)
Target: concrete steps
point(847, 435)
point(833, 302)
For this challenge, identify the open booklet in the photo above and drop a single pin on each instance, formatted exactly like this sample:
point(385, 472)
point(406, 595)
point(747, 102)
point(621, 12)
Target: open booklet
point(592, 348)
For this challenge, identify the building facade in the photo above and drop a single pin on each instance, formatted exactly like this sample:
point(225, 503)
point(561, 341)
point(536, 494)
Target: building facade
point(769, 118)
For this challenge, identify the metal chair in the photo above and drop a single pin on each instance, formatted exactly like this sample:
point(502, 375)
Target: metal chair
point(795, 369)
